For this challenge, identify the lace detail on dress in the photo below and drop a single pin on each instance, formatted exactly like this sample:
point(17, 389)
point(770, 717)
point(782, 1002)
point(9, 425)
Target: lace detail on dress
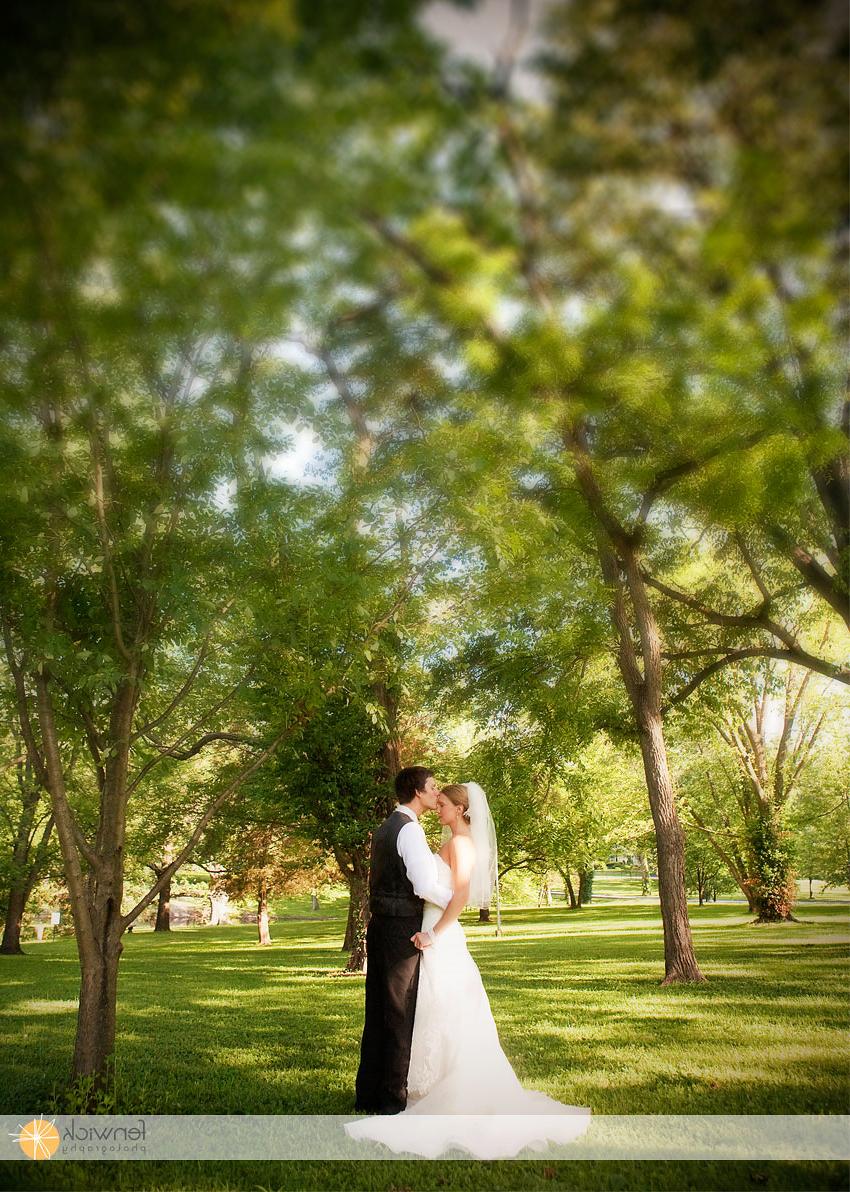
point(424, 1070)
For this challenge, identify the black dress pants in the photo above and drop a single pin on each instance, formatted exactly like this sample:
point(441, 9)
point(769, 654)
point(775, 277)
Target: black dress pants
point(392, 976)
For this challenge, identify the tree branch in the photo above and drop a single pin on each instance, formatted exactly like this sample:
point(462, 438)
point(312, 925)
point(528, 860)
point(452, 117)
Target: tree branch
point(187, 684)
point(828, 587)
point(757, 620)
point(747, 556)
point(668, 476)
point(182, 755)
point(169, 750)
point(168, 872)
point(799, 658)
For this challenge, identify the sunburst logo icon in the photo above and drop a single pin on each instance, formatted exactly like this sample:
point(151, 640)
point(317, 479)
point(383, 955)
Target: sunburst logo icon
point(38, 1139)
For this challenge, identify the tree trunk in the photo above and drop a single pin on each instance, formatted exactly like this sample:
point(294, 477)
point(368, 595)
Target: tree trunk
point(644, 875)
point(640, 664)
point(349, 925)
point(679, 960)
point(585, 887)
point(95, 1040)
point(569, 888)
point(483, 914)
point(163, 907)
point(96, 895)
point(736, 868)
point(26, 865)
point(770, 909)
point(314, 901)
point(11, 945)
point(263, 934)
point(772, 885)
point(358, 885)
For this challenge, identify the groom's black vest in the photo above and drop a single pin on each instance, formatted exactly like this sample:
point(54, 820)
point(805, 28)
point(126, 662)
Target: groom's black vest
point(390, 889)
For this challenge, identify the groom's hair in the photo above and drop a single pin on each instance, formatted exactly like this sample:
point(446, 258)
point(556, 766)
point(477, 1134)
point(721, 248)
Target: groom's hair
point(411, 780)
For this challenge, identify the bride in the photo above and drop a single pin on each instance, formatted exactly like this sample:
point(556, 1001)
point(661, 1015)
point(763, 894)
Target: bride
point(462, 1090)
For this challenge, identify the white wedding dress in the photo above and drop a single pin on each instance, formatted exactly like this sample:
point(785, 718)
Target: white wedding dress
point(462, 1090)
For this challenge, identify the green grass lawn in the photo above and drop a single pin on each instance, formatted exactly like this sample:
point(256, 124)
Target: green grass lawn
point(211, 1023)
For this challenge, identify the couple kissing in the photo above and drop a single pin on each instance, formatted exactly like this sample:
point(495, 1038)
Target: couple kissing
point(430, 1049)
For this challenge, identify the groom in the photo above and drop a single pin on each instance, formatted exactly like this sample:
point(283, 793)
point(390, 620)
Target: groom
point(401, 877)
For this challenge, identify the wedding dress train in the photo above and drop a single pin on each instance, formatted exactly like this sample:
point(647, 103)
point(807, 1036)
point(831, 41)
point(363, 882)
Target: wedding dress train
point(462, 1090)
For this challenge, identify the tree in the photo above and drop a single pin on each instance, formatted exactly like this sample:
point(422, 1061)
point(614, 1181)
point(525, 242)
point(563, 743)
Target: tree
point(86, 650)
point(819, 816)
point(595, 803)
point(139, 389)
point(334, 789)
point(771, 725)
point(264, 861)
point(445, 260)
point(28, 844)
point(164, 817)
point(585, 300)
point(705, 872)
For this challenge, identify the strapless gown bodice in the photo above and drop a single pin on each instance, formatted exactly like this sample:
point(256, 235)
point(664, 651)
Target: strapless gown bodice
point(432, 913)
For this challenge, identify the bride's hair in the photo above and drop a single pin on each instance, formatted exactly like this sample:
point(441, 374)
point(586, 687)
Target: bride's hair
point(458, 795)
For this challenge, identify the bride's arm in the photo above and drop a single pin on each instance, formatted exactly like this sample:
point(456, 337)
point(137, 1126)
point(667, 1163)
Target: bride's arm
point(462, 858)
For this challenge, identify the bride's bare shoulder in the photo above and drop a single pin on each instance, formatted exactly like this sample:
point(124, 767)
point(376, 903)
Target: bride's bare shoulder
point(458, 846)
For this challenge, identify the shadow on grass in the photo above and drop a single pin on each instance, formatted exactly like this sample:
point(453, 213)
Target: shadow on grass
point(211, 1022)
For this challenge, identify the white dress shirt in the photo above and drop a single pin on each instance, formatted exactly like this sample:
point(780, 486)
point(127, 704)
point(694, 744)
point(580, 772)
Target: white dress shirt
point(419, 861)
